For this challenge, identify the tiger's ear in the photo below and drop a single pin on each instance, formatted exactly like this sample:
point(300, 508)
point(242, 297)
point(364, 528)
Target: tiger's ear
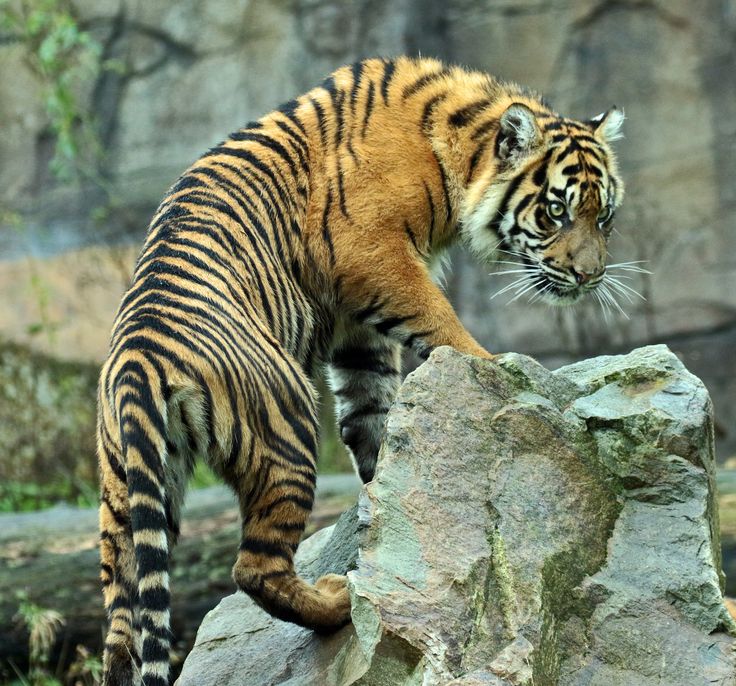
point(607, 125)
point(519, 133)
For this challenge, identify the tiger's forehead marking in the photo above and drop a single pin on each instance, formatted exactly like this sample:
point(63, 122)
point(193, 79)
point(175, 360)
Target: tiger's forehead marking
point(578, 165)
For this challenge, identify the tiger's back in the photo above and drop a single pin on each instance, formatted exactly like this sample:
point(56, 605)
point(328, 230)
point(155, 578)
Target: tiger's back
point(304, 238)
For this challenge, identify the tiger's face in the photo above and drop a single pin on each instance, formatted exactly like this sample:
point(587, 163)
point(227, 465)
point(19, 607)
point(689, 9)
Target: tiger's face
point(552, 202)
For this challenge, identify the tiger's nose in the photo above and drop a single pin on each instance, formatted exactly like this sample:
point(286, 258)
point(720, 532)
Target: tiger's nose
point(582, 276)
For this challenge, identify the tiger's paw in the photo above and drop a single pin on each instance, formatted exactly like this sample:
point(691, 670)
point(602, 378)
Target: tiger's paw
point(335, 588)
point(332, 585)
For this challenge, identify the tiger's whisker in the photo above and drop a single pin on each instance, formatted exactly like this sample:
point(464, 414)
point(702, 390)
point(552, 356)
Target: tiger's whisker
point(511, 271)
point(520, 281)
point(539, 294)
point(603, 305)
point(529, 287)
point(611, 299)
point(623, 287)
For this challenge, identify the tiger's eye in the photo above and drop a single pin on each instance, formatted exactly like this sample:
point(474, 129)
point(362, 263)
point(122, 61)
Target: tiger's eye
point(555, 210)
point(605, 214)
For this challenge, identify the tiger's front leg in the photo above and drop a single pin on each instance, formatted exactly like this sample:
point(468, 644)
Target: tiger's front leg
point(364, 374)
point(393, 295)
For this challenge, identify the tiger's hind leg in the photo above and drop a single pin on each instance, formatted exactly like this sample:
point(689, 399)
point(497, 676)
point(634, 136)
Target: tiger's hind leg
point(276, 499)
point(364, 374)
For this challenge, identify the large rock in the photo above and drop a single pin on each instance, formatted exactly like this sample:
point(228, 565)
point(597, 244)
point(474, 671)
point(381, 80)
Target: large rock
point(524, 527)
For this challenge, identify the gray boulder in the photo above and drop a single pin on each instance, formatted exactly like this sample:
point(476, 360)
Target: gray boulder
point(524, 527)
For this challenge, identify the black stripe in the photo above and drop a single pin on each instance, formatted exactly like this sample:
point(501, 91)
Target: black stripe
point(117, 516)
point(270, 143)
point(429, 109)
point(513, 186)
point(306, 487)
point(358, 413)
point(368, 109)
point(288, 499)
point(523, 203)
point(388, 73)
point(150, 559)
point(206, 349)
point(423, 82)
point(254, 162)
point(134, 435)
point(140, 482)
point(161, 632)
point(412, 237)
point(445, 188)
point(474, 159)
point(133, 374)
point(258, 546)
point(154, 680)
point(465, 115)
point(326, 229)
point(280, 446)
point(154, 650)
point(553, 126)
point(357, 70)
point(363, 360)
point(374, 306)
point(431, 212)
point(341, 190)
point(143, 516)
point(144, 345)
point(300, 146)
point(337, 97)
point(385, 325)
point(288, 109)
point(540, 174)
point(321, 121)
point(424, 352)
point(116, 466)
point(156, 599)
point(483, 128)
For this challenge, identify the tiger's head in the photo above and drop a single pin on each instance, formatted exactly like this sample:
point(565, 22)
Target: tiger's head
point(550, 200)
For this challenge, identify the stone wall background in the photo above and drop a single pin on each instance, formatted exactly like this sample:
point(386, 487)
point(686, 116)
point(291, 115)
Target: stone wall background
point(193, 71)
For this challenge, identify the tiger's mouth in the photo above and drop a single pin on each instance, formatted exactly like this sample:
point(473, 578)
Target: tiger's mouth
point(557, 294)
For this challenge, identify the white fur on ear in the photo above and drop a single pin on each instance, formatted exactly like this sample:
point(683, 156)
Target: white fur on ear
point(608, 124)
point(519, 132)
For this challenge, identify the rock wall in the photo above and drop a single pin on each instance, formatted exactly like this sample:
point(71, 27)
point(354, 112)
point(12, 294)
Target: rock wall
point(47, 420)
point(525, 528)
point(194, 71)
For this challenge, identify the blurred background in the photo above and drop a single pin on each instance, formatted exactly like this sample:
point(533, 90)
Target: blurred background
point(104, 103)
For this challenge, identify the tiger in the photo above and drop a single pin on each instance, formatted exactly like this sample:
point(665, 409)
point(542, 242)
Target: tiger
point(306, 241)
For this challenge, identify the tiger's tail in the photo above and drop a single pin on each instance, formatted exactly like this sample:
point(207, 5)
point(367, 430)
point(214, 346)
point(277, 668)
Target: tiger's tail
point(139, 561)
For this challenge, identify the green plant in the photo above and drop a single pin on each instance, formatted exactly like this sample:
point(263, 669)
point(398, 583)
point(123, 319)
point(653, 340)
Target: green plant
point(86, 670)
point(42, 625)
point(43, 296)
point(19, 496)
point(64, 58)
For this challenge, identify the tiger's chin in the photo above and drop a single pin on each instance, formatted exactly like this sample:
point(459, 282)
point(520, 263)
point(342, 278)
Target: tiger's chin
point(552, 294)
